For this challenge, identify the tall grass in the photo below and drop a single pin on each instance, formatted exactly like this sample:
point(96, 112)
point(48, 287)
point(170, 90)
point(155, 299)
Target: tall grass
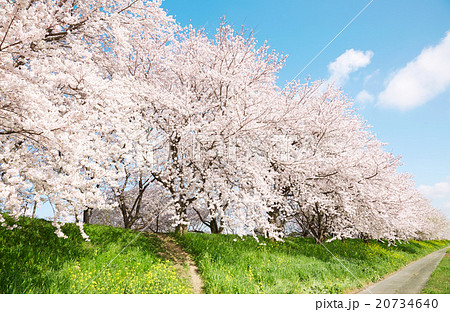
point(34, 260)
point(229, 264)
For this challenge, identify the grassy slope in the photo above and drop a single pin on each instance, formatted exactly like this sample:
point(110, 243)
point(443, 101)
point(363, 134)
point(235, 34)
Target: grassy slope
point(34, 260)
point(439, 282)
point(296, 266)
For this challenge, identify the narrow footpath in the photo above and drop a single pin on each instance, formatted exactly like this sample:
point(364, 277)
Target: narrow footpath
point(181, 258)
point(410, 280)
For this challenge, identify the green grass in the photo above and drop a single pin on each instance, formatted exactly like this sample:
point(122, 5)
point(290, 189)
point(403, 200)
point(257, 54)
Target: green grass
point(34, 260)
point(439, 282)
point(298, 265)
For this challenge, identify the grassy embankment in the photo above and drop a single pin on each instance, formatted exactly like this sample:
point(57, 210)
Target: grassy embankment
point(298, 265)
point(439, 282)
point(34, 260)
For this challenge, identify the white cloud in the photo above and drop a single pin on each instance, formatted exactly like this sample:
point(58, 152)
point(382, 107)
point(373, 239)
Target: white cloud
point(439, 194)
point(347, 63)
point(436, 191)
point(364, 97)
point(421, 79)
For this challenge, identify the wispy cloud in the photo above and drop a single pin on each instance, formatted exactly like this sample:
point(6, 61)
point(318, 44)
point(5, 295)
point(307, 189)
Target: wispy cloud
point(347, 63)
point(439, 194)
point(421, 79)
point(364, 97)
point(371, 76)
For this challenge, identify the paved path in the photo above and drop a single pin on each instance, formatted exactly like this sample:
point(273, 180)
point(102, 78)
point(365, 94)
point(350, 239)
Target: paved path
point(410, 280)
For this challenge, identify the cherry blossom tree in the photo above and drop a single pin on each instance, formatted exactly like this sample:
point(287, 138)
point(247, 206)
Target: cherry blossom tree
point(110, 108)
point(148, 211)
point(334, 176)
point(61, 63)
point(220, 91)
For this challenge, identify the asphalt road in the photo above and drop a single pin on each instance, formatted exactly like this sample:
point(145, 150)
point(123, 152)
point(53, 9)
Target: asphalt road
point(410, 280)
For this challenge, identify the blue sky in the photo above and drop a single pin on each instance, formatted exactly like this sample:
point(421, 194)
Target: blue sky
point(402, 90)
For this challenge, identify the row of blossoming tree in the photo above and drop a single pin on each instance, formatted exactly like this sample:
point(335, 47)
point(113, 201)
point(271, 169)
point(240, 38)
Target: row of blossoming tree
point(113, 113)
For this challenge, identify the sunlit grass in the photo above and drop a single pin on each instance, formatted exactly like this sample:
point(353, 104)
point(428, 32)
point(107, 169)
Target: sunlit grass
point(439, 282)
point(231, 265)
point(34, 260)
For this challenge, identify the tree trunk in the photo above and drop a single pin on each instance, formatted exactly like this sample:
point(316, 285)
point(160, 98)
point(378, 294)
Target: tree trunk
point(365, 237)
point(181, 229)
point(126, 219)
point(87, 215)
point(275, 217)
point(182, 214)
point(321, 234)
point(34, 210)
point(274, 214)
point(157, 223)
point(214, 226)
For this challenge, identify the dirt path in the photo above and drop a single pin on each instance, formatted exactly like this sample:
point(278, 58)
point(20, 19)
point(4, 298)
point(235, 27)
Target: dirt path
point(181, 258)
point(410, 280)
